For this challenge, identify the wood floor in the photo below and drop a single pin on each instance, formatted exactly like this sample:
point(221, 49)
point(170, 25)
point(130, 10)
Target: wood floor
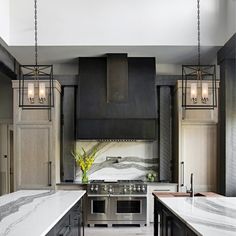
point(119, 231)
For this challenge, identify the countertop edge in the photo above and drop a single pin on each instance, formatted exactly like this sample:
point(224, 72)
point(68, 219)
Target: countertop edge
point(180, 218)
point(64, 213)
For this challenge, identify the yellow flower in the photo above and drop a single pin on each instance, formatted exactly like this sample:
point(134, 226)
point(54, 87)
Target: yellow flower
point(85, 159)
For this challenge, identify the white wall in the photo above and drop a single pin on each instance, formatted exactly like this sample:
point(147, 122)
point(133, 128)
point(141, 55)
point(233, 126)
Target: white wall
point(112, 22)
point(4, 19)
point(231, 18)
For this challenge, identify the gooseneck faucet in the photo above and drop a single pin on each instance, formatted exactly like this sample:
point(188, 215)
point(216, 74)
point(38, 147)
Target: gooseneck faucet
point(191, 186)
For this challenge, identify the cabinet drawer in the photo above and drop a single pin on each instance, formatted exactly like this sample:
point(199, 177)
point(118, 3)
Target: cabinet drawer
point(165, 188)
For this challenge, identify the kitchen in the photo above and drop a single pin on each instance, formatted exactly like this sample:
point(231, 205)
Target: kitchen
point(108, 126)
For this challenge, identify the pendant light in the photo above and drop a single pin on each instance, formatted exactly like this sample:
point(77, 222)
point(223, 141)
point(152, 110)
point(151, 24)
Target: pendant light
point(36, 81)
point(199, 89)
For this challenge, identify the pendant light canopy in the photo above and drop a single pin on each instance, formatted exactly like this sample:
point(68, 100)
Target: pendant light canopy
point(36, 81)
point(199, 89)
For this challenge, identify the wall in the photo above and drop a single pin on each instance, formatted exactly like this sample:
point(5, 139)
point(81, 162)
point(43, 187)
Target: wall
point(231, 18)
point(4, 20)
point(6, 99)
point(66, 68)
point(111, 22)
point(137, 159)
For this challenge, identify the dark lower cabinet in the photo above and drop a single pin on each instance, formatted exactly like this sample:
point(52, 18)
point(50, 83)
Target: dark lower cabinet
point(71, 224)
point(168, 224)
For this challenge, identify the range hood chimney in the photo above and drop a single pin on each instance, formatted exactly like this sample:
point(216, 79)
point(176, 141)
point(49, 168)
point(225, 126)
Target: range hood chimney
point(116, 98)
point(117, 78)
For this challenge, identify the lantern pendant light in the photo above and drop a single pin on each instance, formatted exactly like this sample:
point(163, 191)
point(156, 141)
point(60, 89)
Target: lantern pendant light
point(36, 81)
point(199, 89)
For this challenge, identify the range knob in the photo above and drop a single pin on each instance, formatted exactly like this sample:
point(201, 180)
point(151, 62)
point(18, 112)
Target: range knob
point(110, 190)
point(92, 188)
point(134, 188)
point(138, 188)
point(125, 189)
point(143, 188)
point(105, 188)
point(96, 188)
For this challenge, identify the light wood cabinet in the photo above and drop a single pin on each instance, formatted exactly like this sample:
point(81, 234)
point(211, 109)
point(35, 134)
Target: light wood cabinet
point(4, 162)
point(34, 156)
point(161, 187)
point(36, 144)
point(195, 146)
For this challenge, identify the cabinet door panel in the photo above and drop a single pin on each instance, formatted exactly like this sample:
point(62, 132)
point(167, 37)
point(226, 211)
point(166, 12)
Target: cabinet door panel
point(4, 181)
point(33, 156)
point(199, 155)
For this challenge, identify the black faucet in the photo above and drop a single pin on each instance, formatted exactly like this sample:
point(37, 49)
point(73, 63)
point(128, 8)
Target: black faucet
point(191, 186)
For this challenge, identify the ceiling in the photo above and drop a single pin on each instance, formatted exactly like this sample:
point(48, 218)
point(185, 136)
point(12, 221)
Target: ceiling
point(163, 54)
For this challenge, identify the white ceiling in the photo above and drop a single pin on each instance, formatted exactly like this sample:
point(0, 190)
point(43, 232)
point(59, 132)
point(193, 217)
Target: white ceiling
point(164, 29)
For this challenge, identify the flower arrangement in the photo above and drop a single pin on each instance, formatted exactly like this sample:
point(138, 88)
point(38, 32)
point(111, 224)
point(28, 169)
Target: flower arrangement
point(85, 160)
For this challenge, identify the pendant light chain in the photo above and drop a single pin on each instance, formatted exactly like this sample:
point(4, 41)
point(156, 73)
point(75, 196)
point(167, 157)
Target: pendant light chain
point(36, 79)
point(199, 79)
point(198, 29)
point(35, 32)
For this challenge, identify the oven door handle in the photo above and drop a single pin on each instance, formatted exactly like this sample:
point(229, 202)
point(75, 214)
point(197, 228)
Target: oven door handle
point(126, 195)
point(98, 195)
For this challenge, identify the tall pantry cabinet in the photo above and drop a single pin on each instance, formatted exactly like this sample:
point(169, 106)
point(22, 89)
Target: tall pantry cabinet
point(195, 145)
point(36, 143)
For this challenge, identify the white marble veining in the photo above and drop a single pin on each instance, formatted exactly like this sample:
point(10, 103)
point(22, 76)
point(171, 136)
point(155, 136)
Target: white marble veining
point(213, 216)
point(34, 212)
point(137, 159)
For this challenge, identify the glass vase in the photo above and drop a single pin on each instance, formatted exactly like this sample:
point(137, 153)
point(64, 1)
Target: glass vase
point(84, 177)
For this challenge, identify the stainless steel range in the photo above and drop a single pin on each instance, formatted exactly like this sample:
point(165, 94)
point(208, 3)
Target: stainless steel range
point(120, 202)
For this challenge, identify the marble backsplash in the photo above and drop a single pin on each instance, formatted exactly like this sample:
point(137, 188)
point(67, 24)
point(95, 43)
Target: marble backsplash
point(136, 159)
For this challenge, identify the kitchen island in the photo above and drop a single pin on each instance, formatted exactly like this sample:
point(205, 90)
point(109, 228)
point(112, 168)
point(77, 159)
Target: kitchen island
point(40, 212)
point(210, 215)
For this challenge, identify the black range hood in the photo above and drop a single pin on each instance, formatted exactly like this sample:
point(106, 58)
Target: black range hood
point(116, 98)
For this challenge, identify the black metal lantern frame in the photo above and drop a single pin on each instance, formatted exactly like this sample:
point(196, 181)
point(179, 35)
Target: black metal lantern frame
point(36, 74)
point(199, 74)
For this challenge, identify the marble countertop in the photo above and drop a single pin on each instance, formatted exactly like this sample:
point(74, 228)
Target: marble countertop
point(34, 212)
point(208, 216)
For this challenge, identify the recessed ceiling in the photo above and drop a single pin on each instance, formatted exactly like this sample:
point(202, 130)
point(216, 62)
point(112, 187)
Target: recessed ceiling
point(163, 54)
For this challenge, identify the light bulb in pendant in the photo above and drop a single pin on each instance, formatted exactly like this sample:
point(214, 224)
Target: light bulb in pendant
point(205, 95)
point(42, 92)
point(193, 92)
point(31, 92)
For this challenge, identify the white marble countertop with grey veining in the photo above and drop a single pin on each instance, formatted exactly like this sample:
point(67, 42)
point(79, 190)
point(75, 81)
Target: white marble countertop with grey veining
point(208, 216)
point(34, 212)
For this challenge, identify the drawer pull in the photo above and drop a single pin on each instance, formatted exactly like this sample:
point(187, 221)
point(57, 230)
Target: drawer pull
point(182, 165)
point(161, 190)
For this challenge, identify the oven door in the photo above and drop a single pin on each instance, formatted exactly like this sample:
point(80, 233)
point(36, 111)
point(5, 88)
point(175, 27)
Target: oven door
point(128, 208)
point(98, 208)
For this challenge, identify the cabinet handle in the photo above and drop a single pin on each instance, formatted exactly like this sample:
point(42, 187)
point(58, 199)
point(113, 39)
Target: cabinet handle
point(65, 231)
point(49, 173)
point(182, 168)
point(161, 190)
